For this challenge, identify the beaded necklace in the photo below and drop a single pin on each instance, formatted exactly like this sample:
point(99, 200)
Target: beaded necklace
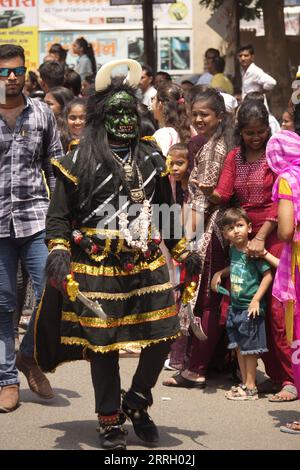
point(130, 168)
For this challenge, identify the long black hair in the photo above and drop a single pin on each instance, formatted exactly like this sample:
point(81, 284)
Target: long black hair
point(248, 111)
point(94, 145)
point(89, 51)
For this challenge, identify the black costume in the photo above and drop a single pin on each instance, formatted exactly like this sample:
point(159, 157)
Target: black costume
point(131, 284)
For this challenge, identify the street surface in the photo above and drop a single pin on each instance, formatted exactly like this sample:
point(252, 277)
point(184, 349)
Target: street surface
point(187, 419)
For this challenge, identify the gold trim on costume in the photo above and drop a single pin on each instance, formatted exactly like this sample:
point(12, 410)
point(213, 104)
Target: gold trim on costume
point(58, 241)
point(35, 324)
point(128, 295)
point(115, 270)
point(148, 137)
point(64, 171)
point(179, 248)
point(116, 346)
point(91, 322)
point(120, 245)
point(89, 231)
point(168, 169)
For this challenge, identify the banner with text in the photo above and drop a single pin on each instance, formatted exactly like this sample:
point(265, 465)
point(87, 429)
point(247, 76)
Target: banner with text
point(57, 15)
point(18, 25)
point(174, 47)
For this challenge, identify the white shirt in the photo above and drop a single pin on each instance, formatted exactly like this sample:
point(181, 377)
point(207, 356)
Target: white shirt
point(274, 124)
point(255, 79)
point(166, 137)
point(148, 95)
point(230, 102)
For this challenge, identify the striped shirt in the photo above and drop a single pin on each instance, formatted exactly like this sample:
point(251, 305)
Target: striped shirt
point(25, 169)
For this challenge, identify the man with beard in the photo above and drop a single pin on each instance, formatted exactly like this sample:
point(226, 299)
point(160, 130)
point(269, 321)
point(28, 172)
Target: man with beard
point(28, 139)
point(111, 173)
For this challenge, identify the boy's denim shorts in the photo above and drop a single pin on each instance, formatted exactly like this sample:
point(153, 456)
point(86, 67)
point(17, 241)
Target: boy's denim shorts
point(246, 333)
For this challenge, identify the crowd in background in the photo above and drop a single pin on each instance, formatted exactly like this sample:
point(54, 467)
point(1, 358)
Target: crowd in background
point(214, 138)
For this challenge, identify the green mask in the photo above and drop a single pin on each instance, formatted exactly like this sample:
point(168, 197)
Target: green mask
point(121, 120)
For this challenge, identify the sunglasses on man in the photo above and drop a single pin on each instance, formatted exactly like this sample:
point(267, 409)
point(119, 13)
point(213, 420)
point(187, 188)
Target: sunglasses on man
point(17, 71)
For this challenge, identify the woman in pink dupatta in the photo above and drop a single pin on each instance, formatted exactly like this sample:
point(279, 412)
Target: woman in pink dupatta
point(283, 156)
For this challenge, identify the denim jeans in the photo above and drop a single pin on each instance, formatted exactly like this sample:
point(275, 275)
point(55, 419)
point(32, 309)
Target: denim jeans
point(33, 253)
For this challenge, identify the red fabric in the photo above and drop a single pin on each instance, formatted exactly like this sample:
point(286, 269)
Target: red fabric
point(200, 353)
point(251, 184)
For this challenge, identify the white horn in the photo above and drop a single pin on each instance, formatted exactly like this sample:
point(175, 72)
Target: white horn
point(135, 71)
point(103, 77)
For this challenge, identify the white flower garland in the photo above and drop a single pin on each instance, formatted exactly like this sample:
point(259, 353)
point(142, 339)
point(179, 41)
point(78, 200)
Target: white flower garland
point(137, 236)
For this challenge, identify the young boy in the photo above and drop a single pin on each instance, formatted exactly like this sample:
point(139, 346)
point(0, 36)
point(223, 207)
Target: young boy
point(250, 279)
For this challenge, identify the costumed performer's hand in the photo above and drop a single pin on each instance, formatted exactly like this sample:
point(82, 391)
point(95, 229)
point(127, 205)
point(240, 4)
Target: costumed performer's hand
point(58, 266)
point(192, 263)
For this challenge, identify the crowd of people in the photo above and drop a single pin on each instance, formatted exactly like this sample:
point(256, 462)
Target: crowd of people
point(79, 149)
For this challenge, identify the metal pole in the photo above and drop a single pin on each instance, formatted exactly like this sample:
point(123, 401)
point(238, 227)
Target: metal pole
point(149, 49)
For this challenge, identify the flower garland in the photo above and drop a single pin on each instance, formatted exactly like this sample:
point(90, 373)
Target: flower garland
point(137, 236)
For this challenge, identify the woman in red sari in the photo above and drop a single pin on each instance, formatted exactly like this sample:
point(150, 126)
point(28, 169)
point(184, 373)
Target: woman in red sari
point(247, 177)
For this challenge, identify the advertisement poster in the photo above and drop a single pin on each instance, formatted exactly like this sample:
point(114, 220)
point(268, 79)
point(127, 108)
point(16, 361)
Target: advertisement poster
point(107, 45)
point(174, 49)
point(56, 15)
point(18, 25)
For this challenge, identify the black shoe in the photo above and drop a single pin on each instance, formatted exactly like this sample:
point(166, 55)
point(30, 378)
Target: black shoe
point(143, 425)
point(113, 437)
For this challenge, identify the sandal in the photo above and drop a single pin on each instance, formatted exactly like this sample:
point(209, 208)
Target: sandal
point(291, 428)
point(289, 394)
point(234, 388)
point(177, 380)
point(242, 394)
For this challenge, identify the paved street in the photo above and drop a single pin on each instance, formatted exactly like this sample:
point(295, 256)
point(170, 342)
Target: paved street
point(187, 419)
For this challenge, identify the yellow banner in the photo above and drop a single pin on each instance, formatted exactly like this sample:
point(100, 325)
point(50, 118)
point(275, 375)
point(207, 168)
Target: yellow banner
point(25, 36)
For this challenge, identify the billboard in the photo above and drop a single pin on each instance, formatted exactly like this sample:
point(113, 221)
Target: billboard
point(174, 48)
point(18, 25)
point(101, 15)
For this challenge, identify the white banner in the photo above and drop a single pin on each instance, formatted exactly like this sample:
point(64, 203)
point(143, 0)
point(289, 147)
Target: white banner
point(77, 15)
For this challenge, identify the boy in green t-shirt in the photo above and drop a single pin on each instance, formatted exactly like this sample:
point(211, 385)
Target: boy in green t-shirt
point(250, 279)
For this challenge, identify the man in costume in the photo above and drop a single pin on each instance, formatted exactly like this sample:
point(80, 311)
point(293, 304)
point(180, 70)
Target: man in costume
point(122, 268)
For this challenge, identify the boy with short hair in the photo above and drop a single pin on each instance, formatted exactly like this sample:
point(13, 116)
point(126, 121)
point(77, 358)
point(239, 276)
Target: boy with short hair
point(250, 279)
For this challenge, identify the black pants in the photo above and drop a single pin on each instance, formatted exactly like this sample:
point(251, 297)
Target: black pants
point(106, 376)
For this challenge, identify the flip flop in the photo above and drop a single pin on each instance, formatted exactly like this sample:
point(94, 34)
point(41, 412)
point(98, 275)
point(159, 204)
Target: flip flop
point(182, 382)
point(277, 398)
point(288, 428)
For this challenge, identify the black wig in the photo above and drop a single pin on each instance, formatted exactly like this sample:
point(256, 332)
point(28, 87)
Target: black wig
point(94, 145)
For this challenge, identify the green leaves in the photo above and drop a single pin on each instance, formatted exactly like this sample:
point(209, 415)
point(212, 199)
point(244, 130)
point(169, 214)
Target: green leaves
point(248, 9)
